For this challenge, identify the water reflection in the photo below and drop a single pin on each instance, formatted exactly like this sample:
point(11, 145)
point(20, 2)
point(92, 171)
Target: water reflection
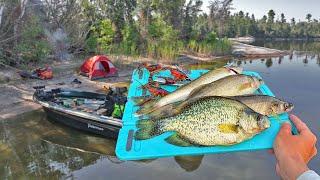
point(280, 59)
point(305, 60)
point(31, 146)
point(189, 163)
point(269, 62)
point(291, 56)
point(291, 46)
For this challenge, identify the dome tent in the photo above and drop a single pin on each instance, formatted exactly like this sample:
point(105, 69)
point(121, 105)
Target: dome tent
point(97, 67)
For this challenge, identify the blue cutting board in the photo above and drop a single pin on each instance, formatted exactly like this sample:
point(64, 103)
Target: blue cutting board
point(130, 149)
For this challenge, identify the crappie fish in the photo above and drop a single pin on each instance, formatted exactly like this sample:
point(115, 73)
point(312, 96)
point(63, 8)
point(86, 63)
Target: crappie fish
point(235, 85)
point(207, 122)
point(265, 105)
point(183, 92)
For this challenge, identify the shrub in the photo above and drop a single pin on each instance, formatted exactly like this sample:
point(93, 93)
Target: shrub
point(32, 46)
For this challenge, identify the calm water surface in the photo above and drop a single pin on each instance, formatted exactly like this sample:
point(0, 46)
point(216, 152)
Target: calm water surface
point(31, 147)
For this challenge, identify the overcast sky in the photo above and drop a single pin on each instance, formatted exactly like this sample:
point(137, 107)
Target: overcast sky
point(291, 8)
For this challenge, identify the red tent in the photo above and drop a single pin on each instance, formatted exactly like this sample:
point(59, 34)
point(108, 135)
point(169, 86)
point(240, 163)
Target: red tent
point(98, 67)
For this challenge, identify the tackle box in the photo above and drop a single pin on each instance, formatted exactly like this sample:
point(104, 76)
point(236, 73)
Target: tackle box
point(128, 148)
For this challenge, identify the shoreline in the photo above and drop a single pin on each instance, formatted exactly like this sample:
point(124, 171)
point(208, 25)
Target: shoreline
point(16, 96)
point(17, 93)
point(289, 39)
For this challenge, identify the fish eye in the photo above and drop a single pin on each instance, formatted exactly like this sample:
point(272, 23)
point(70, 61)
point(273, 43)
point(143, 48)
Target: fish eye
point(288, 105)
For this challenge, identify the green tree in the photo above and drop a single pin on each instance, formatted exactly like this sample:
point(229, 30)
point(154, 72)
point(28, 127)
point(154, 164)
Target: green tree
point(283, 18)
point(191, 12)
point(104, 35)
point(293, 22)
point(271, 15)
point(32, 45)
point(308, 17)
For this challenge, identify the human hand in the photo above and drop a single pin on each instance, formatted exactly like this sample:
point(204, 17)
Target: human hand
point(293, 152)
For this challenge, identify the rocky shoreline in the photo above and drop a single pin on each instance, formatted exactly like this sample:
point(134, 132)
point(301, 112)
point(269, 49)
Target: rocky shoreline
point(16, 96)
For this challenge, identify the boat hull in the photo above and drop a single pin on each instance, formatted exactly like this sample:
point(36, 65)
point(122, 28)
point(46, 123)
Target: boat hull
point(98, 124)
point(83, 124)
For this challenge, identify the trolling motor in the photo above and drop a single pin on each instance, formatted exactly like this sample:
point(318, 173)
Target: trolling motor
point(41, 94)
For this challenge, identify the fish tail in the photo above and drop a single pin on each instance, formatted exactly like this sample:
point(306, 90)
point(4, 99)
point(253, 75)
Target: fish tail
point(147, 129)
point(147, 107)
point(139, 101)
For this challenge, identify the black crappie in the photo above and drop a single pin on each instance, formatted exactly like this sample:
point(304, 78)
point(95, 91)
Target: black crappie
point(206, 122)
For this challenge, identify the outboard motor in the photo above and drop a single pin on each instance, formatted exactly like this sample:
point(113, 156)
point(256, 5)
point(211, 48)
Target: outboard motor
point(41, 94)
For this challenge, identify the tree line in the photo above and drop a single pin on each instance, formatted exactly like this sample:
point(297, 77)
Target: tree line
point(32, 30)
point(244, 24)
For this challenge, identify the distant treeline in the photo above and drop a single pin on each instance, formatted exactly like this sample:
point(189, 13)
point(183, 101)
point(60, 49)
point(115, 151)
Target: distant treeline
point(244, 24)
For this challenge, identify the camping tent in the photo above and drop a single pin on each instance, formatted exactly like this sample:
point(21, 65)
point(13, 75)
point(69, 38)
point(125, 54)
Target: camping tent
point(98, 67)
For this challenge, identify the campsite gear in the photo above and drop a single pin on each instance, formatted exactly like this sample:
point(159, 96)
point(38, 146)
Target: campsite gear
point(164, 80)
point(25, 74)
point(76, 81)
point(208, 121)
point(265, 105)
point(118, 111)
point(61, 83)
point(40, 73)
point(152, 67)
point(179, 75)
point(44, 73)
point(82, 110)
point(98, 67)
point(177, 70)
point(155, 89)
point(183, 92)
point(130, 149)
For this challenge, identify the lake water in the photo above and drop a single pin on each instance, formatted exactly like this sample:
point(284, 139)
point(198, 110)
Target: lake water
point(31, 147)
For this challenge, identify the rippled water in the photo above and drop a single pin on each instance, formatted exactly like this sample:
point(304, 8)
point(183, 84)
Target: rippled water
point(31, 147)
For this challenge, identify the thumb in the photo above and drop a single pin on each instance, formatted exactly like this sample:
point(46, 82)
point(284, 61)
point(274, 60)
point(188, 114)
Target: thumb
point(285, 129)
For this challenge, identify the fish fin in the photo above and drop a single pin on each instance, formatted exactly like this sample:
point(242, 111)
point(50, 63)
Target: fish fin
point(146, 130)
point(175, 139)
point(147, 107)
point(228, 128)
point(245, 86)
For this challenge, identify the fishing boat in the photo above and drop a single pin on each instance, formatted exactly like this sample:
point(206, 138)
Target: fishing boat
point(86, 111)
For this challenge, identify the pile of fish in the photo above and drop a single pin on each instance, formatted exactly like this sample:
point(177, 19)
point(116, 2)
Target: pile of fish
point(218, 108)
